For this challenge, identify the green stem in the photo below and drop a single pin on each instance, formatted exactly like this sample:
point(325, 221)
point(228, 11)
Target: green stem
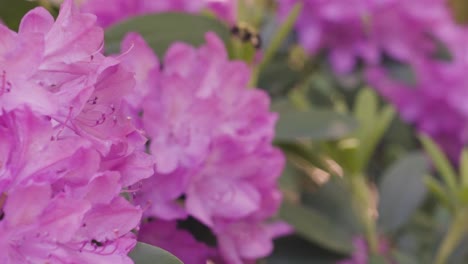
point(276, 42)
point(455, 234)
point(362, 196)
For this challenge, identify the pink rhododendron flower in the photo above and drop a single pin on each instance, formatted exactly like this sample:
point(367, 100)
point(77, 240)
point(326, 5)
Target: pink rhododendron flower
point(368, 29)
point(62, 74)
point(181, 243)
point(245, 241)
point(212, 141)
point(67, 147)
point(110, 12)
point(73, 130)
point(55, 204)
point(435, 105)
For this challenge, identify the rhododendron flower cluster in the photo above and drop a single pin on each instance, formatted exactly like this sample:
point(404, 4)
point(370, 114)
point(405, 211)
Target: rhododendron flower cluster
point(435, 104)
point(211, 137)
point(111, 11)
point(369, 29)
point(67, 151)
point(74, 126)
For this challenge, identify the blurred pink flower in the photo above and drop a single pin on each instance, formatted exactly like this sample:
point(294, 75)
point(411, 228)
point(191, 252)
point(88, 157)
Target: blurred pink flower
point(368, 29)
point(110, 12)
point(435, 104)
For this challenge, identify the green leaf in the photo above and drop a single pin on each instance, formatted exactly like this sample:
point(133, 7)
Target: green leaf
point(316, 125)
point(464, 167)
point(305, 154)
point(317, 228)
point(437, 190)
point(161, 30)
point(291, 182)
point(402, 190)
point(333, 201)
point(366, 107)
point(11, 11)
point(147, 254)
point(276, 41)
point(441, 163)
point(377, 260)
point(278, 77)
point(375, 134)
point(373, 123)
point(401, 258)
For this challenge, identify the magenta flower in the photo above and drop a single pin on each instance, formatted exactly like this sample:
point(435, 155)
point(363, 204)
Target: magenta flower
point(182, 244)
point(55, 205)
point(67, 148)
point(245, 241)
point(110, 12)
point(368, 29)
point(212, 140)
point(190, 105)
point(435, 105)
point(243, 187)
point(65, 76)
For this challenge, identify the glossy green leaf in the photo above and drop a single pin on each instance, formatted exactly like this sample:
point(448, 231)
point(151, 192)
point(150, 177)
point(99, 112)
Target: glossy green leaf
point(317, 228)
point(441, 163)
point(11, 11)
point(402, 190)
point(316, 125)
point(161, 30)
point(147, 254)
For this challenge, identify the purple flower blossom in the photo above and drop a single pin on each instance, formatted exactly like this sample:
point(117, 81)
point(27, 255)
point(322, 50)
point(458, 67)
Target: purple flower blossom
point(62, 74)
point(435, 105)
point(211, 137)
point(55, 204)
point(110, 12)
point(67, 148)
point(367, 29)
point(181, 243)
point(72, 140)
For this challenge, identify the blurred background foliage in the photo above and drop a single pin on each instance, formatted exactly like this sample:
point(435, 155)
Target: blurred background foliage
point(353, 167)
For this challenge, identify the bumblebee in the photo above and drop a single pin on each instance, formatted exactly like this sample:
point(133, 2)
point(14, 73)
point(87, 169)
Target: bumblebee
point(247, 34)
